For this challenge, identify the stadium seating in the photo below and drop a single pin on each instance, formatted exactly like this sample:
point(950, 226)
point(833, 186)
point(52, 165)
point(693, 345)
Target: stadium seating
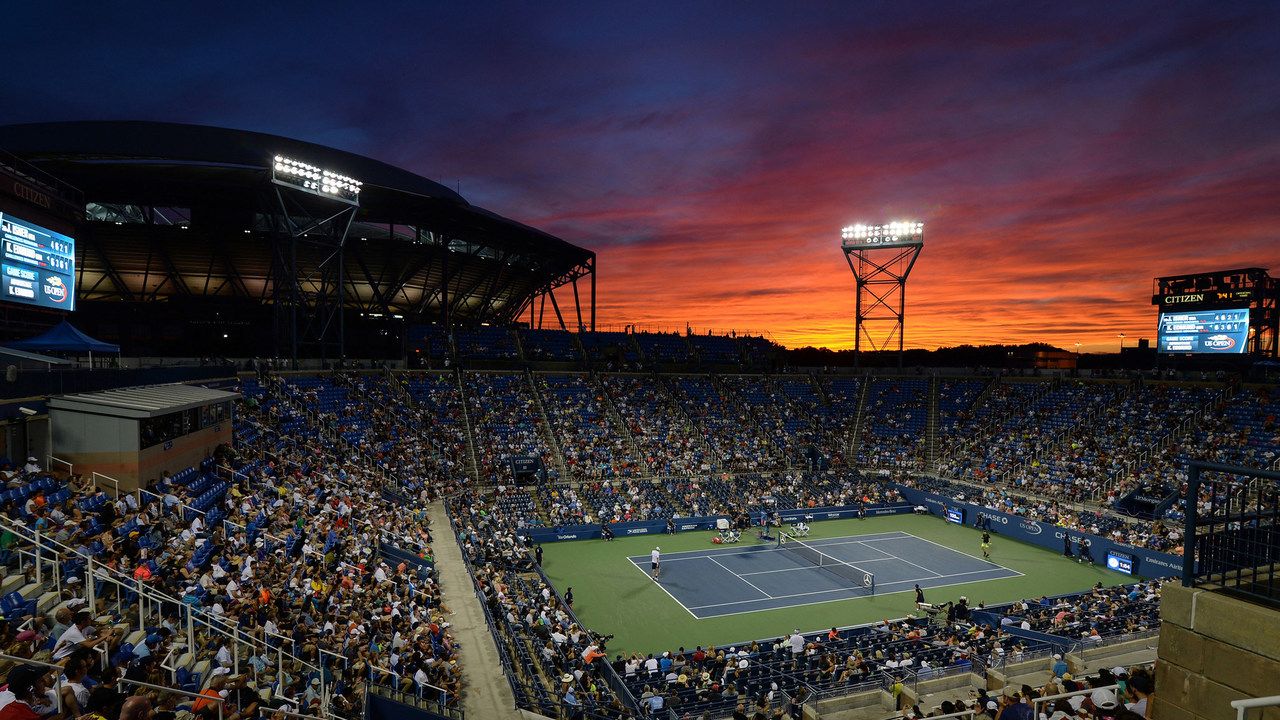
point(603, 347)
point(894, 423)
point(322, 463)
point(665, 439)
point(556, 345)
point(486, 342)
point(715, 349)
point(506, 422)
point(591, 445)
point(663, 347)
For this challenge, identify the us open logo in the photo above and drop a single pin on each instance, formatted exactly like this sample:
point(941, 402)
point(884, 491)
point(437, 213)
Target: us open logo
point(54, 288)
point(1220, 342)
point(1031, 528)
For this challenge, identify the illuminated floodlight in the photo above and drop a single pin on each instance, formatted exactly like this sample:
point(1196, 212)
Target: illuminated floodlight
point(901, 232)
point(327, 183)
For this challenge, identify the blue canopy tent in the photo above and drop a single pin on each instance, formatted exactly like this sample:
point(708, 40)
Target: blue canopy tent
point(64, 337)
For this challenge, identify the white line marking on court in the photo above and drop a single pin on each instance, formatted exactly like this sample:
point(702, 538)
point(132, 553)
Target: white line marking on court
point(655, 582)
point(710, 552)
point(944, 547)
point(935, 573)
point(810, 567)
point(717, 562)
point(842, 599)
point(841, 589)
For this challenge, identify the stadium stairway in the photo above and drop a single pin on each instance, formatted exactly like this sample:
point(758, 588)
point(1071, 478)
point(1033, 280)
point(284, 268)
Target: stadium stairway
point(931, 426)
point(548, 435)
point(488, 693)
point(855, 440)
point(474, 469)
point(615, 417)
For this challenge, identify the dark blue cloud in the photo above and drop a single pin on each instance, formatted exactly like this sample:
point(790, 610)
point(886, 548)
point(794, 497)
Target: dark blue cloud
point(730, 139)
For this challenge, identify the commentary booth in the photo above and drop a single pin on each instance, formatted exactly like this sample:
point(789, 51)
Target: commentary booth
point(133, 435)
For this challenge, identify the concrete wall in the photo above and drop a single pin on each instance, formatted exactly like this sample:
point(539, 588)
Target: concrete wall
point(1214, 649)
point(109, 445)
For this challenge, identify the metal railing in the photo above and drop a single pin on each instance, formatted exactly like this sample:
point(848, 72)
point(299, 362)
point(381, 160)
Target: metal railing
point(1242, 707)
point(57, 685)
point(1037, 704)
point(1235, 543)
point(122, 682)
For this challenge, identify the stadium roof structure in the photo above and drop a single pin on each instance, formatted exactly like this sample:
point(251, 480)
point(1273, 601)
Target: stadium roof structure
point(142, 402)
point(179, 211)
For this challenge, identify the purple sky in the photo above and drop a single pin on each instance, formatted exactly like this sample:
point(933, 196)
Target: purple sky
point(1061, 154)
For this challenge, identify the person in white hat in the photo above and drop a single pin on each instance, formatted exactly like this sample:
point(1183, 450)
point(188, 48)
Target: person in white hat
point(654, 558)
point(32, 466)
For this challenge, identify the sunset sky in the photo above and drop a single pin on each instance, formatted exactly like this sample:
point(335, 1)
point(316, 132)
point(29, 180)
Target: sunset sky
point(1061, 154)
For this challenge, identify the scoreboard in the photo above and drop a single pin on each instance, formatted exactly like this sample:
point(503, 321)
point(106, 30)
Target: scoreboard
point(38, 265)
point(1206, 331)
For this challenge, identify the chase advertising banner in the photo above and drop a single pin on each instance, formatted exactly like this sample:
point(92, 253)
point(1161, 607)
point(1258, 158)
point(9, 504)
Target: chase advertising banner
point(1147, 563)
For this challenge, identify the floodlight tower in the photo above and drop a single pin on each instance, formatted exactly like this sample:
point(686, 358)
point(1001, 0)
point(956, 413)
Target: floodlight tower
point(881, 258)
point(309, 211)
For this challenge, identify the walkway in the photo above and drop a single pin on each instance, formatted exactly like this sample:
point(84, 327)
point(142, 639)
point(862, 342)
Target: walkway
point(488, 692)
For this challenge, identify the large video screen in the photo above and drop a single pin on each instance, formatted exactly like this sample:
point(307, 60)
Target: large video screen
point(38, 266)
point(1206, 331)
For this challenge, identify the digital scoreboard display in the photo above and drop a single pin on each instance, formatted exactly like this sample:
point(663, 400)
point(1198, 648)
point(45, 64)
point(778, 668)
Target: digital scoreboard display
point(1121, 562)
point(38, 266)
point(955, 515)
point(1218, 332)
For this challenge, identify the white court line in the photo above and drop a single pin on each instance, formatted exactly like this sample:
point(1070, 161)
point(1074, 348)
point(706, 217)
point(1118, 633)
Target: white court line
point(712, 552)
point(655, 582)
point(722, 567)
point(810, 567)
point(944, 547)
point(841, 589)
point(839, 599)
point(931, 572)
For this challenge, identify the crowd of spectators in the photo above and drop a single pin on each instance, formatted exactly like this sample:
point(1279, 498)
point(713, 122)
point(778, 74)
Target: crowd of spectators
point(591, 445)
point(1094, 698)
point(1160, 535)
point(276, 545)
point(506, 423)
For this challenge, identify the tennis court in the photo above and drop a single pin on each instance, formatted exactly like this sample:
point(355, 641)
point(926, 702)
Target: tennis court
point(750, 577)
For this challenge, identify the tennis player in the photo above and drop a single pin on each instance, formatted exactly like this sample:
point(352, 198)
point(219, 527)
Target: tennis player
point(654, 557)
point(986, 544)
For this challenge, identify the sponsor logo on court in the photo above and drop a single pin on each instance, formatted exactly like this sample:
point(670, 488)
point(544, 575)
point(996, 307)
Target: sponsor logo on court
point(566, 537)
point(1031, 528)
point(637, 531)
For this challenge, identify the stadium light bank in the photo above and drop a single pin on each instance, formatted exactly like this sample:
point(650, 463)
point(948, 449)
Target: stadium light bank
point(904, 232)
point(326, 183)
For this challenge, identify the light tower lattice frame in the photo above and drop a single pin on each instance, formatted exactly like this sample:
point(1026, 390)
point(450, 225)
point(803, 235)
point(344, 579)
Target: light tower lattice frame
point(881, 258)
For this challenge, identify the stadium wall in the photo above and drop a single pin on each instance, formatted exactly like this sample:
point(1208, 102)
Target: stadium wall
point(1150, 562)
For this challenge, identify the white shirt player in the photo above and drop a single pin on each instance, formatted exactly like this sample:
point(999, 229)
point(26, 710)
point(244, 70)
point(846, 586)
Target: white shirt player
point(654, 555)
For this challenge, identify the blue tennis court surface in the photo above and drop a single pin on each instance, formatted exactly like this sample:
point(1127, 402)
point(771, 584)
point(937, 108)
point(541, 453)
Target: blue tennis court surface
point(746, 578)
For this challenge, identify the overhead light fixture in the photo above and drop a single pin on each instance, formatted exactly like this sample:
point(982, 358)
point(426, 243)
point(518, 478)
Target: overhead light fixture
point(901, 232)
point(316, 180)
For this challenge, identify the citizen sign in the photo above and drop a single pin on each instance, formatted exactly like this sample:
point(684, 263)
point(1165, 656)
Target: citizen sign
point(32, 196)
point(1175, 299)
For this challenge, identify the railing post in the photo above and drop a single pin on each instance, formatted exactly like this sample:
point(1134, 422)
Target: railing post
point(90, 585)
point(1189, 542)
point(39, 571)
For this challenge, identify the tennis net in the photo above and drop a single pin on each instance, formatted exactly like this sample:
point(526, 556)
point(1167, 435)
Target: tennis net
point(816, 557)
